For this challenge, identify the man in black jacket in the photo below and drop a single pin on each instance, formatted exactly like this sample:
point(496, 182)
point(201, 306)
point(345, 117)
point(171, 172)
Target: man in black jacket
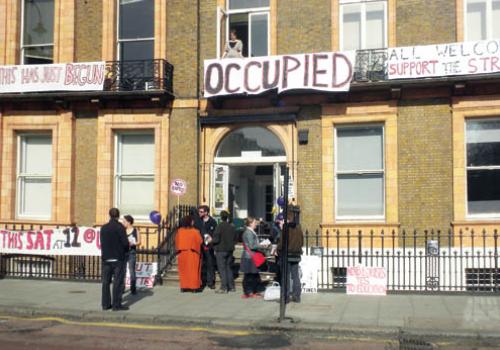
point(114, 247)
point(225, 237)
point(206, 225)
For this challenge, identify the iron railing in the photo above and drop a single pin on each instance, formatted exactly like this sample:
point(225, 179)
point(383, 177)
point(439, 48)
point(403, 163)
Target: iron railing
point(139, 75)
point(426, 261)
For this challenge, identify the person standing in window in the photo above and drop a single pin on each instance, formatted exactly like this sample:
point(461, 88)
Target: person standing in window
point(234, 46)
point(225, 237)
point(134, 240)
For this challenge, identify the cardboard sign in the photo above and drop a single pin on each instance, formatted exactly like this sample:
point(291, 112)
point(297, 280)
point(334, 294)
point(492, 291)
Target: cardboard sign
point(327, 71)
point(310, 267)
point(86, 76)
point(362, 280)
point(178, 187)
point(145, 273)
point(479, 57)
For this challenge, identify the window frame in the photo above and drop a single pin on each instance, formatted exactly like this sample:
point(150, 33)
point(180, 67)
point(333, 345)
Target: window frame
point(489, 23)
point(118, 175)
point(23, 46)
point(364, 218)
point(21, 177)
point(363, 22)
point(250, 11)
point(467, 168)
point(119, 41)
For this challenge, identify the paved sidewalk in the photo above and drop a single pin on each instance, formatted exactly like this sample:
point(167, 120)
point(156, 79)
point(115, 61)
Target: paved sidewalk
point(436, 316)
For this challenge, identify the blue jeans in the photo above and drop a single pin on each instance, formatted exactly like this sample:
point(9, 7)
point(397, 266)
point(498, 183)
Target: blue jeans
point(132, 257)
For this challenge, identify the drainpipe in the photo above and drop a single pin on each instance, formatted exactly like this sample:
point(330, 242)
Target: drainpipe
point(198, 125)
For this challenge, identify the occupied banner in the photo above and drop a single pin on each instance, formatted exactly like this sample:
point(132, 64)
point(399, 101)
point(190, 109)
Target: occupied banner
point(328, 71)
point(66, 241)
point(363, 280)
point(480, 57)
point(85, 76)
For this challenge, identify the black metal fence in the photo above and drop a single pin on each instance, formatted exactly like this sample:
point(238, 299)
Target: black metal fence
point(426, 261)
point(139, 75)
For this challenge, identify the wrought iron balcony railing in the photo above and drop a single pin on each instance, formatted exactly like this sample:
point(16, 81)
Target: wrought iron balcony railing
point(139, 75)
point(371, 65)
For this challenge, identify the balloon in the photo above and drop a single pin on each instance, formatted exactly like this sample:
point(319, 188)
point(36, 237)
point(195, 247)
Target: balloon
point(280, 217)
point(281, 201)
point(155, 217)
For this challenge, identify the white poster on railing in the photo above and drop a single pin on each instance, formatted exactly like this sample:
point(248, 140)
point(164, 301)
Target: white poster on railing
point(64, 241)
point(145, 273)
point(364, 280)
point(84, 76)
point(327, 71)
point(309, 266)
point(440, 60)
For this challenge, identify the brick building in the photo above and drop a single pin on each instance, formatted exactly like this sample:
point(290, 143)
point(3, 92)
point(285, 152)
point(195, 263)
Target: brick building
point(385, 154)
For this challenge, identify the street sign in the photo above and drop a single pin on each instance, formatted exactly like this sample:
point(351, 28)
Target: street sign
point(178, 187)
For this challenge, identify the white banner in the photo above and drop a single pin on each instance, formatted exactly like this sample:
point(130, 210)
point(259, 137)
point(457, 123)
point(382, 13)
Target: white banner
point(145, 273)
point(65, 241)
point(363, 280)
point(480, 57)
point(85, 76)
point(328, 71)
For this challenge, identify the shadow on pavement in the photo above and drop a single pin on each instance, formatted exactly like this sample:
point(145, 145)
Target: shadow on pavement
point(131, 299)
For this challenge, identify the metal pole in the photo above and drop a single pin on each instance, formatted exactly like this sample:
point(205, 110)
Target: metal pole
point(284, 251)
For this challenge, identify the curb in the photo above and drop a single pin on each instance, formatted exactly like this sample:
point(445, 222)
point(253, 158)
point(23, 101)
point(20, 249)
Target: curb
point(289, 326)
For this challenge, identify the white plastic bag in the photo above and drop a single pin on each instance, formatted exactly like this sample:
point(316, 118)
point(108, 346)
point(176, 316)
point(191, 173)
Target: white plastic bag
point(272, 292)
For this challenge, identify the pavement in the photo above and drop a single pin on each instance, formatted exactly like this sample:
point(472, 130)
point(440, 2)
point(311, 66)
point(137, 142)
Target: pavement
point(435, 317)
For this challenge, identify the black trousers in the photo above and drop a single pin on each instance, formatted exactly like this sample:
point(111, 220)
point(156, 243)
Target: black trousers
point(208, 267)
point(112, 272)
point(225, 267)
point(251, 283)
point(294, 276)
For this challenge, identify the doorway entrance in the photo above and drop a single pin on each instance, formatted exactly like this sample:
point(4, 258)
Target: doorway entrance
point(247, 172)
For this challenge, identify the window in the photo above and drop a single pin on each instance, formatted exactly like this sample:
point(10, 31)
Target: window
point(482, 19)
point(34, 176)
point(250, 20)
point(136, 30)
point(483, 167)
point(37, 39)
point(134, 173)
point(363, 24)
point(359, 173)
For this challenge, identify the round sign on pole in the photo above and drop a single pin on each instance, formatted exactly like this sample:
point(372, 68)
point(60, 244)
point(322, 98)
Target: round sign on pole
point(178, 187)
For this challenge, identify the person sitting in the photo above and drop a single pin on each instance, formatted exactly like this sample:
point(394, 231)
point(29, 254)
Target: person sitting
point(188, 243)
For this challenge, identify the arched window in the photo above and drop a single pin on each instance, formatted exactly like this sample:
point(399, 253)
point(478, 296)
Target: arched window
point(253, 142)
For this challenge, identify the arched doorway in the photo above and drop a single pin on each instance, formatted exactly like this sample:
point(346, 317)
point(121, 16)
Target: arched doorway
point(246, 173)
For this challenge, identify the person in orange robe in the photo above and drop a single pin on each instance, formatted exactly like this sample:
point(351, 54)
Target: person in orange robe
point(188, 242)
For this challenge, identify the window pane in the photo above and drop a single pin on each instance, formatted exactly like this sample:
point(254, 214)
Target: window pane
point(36, 158)
point(136, 19)
point(137, 196)
point(375, 29)
point(483, 191)
point(351, 27)
point(245, 4)
point(39, 55)
point(137, 154)
point(495, 18)
point(360, 195)
point(137, 50)
point(259, 25)
point(37, 197)
point(483, 143)
point(239, 22)
point(476, 20)
point(360, 149)
point(38, 22)
point(250, 139)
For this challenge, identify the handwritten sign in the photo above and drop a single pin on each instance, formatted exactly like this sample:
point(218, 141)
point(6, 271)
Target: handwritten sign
point(327, 71)
point(310, 267)
point(66, 241)
point(85, 76)
point(178, 187)
point(362, 280)
point(145, 273)
point(479, 57)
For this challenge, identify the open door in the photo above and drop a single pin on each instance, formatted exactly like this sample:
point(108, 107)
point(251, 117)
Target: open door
point(221, 31)
point(220, 188)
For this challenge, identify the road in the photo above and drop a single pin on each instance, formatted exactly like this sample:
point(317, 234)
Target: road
point(55, 334)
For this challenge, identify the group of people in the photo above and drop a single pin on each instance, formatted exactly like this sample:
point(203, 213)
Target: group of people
point(119, 242)
point(202, 245)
